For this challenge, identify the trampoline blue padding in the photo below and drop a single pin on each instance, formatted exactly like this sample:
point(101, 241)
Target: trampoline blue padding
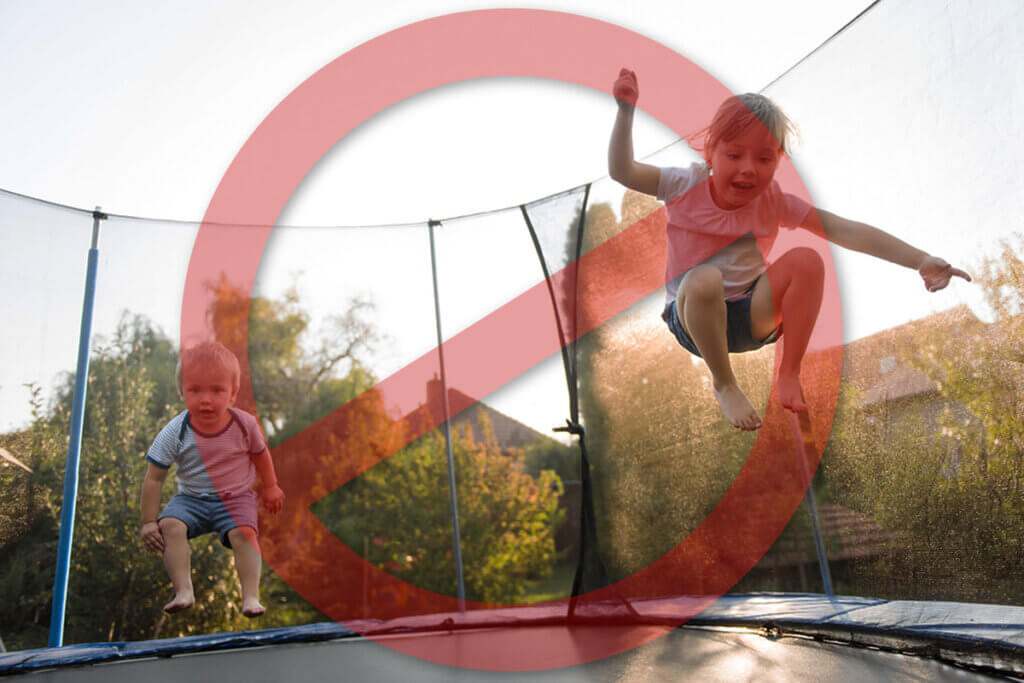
point(92, 653)
point(999, 626)
point(989, 637)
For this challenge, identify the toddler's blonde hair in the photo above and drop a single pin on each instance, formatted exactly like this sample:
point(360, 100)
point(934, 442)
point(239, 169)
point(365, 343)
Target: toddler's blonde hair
point(207, 355)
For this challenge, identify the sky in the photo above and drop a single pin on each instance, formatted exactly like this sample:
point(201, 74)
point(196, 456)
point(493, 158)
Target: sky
point(140, 107)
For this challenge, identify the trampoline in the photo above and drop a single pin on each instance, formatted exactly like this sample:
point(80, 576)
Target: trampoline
point(437, 528)
point(739, 638)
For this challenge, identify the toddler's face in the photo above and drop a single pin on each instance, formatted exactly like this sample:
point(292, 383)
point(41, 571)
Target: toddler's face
point(743, 167)
point(209, 391)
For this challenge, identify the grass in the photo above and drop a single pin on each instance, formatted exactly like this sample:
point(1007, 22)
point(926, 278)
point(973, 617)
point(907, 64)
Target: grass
point(555, 586)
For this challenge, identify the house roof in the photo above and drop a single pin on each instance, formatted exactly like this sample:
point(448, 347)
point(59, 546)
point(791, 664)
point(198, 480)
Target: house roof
point(508, 432)
point(901, 382)
point(877, 365)
point(848, 535)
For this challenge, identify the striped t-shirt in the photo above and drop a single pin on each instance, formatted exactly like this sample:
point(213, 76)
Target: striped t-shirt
point(225, 465)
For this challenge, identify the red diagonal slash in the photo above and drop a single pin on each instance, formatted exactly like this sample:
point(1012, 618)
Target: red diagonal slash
point(502, 345)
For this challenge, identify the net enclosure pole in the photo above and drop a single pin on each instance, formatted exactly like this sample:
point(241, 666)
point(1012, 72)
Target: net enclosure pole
point(803, 439)
point(452, 495)
point(67, 513)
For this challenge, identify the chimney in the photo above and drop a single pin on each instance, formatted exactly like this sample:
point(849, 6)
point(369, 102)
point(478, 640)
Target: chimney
point(435, 398)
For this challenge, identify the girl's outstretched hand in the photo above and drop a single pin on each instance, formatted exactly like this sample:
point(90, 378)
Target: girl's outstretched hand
point(626, 90)
point(936, 273)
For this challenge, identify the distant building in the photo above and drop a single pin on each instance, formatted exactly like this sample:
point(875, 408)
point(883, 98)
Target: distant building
point(850, 537)
point(466, 411)
point(879, 365)
point(897, 402)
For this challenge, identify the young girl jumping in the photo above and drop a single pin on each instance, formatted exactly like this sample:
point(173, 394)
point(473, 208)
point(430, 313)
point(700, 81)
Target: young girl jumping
point(730, 301)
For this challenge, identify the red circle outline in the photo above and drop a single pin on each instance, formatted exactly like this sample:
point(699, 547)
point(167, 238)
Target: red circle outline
point(486, 44)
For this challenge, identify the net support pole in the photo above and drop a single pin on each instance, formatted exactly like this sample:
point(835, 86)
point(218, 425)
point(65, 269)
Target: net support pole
point(67, 513)
point(452, 496)
point(803, 438)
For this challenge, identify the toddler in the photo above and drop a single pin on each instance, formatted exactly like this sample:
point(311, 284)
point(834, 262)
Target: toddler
point(233, 451)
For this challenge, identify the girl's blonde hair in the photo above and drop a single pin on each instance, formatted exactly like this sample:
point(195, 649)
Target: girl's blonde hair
point(736, 113)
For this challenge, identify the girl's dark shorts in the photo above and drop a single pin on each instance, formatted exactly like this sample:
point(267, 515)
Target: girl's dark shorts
point(737, 330)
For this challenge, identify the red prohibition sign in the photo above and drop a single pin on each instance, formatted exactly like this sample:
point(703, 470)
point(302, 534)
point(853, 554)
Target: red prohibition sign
point(254, 191)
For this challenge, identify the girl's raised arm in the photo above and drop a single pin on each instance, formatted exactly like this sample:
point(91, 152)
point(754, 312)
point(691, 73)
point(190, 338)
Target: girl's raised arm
point(622, 167)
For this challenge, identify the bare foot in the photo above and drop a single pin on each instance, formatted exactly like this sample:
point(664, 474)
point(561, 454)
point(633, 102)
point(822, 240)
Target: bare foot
point(252, 608)
point(737, 408)
point(181, 601)
point(790, 393)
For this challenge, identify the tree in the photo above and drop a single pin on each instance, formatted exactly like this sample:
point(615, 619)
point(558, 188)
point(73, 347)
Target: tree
point(115, 587)
point(286, 366)
point(547, 454)
point(945, 473)
point(132, 393)
point(508, 518)
point(28, 544)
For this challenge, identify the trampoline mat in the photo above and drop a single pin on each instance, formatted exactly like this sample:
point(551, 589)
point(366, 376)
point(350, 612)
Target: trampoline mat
point(694, 653)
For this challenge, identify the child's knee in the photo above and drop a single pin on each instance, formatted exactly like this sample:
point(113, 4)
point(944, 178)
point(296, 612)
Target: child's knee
point(243, 533)
point(172, 527)
point(806, 263)
point(702, 282)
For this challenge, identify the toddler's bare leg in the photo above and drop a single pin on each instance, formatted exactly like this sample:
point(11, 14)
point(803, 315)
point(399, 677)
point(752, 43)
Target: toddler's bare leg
point(246, 546)
point(177, 561)
point(790, 294)
point(700, 304)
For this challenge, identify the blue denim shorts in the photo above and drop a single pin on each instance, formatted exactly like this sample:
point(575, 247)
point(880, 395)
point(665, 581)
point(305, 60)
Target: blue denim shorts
point(209, 515)
point(739, 337)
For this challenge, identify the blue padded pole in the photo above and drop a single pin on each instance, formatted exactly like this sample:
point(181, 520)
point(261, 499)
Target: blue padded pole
point(67, 513)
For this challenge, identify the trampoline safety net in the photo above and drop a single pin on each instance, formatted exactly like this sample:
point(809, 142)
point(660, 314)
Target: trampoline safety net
point(594, 476)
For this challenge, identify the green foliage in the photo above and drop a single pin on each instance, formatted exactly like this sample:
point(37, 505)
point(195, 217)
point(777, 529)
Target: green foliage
point(117, 589)
point(293, 375)
point(399, 512)
point(943, 472)
point(129, 389)
point(550, 455)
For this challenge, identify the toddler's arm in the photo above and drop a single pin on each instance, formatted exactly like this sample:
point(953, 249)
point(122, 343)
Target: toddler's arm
point(622, 167)
point(273, 496)
point(868, 239)
point(150, 504)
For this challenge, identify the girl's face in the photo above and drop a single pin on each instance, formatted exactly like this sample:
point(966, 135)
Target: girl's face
point(743, 167)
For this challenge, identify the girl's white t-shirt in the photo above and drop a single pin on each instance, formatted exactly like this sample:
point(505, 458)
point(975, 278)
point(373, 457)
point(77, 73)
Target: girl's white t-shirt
point(695, 222)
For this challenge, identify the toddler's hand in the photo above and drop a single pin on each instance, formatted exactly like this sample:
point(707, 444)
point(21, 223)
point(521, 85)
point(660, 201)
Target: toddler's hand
point(151, 537)
point(626, 90)
point(936, 273)
point(273, 499)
